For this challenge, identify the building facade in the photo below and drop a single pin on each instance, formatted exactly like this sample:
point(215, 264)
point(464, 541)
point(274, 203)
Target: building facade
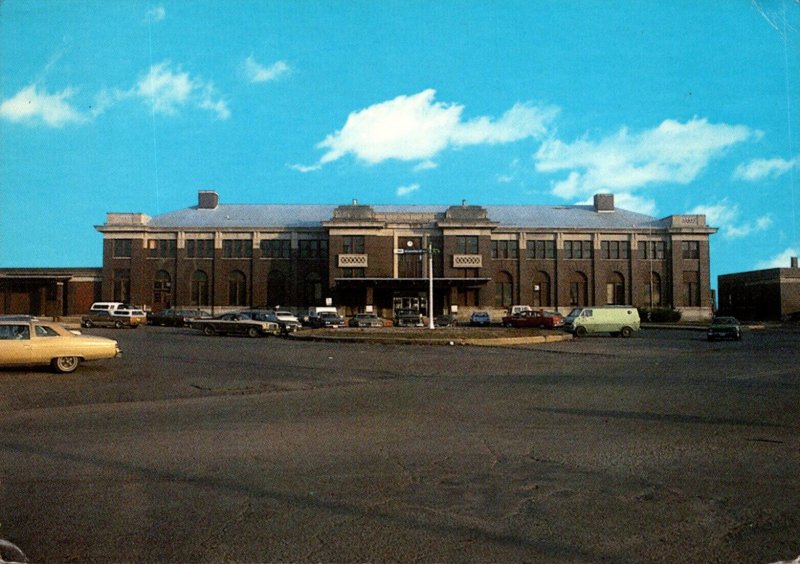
point(363, 258)
point(49, 292)
point(772, 294)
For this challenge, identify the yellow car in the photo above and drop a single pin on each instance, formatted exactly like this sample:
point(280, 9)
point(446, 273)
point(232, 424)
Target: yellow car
point(31, 343)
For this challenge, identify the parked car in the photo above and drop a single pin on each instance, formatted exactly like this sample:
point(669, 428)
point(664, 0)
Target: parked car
point(314, 312)
point(445, 320)
point(286, 324)
point(617, 320)
point(327, 319)
point(408, 317)
point(480, 319)
point(724, 328)
point(33, 343)
point(238, 323)
point(118, 318)
point(110, 306)
point(365, 320)
point(546, 319)
point(175, 317)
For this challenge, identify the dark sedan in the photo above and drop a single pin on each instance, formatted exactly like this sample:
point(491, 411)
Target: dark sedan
point(175, 317)
point(724, 328)
point(286, 325)
point(365, 320)
point(327, 319)
point(235, 324)
point(546, 319)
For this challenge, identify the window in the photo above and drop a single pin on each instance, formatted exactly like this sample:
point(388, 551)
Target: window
point(652, 250)
point(615, 289)
point(14, 332)
point(615, 249)
point(541, 249)
point(353, 244)
point(541, 290)
point(276, 248)
point(200, 248)
point(237, 248)
point(467, 245)
point(312, 289)
point(200, 288)
point(690, 249)
point(237, 289)
point(44, 331)
point(578, 249)
point(162, 288)
point(162, 248)
point(505, 249)
point(122, 248)
point(121, 284)
point(353, 273)
point(503, 290)
point(313, 248)
point(652, 291)
point(691, 289)
point(578, 289)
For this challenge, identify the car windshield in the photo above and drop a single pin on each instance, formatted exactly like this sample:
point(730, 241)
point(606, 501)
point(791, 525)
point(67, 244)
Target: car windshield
point(725, 321)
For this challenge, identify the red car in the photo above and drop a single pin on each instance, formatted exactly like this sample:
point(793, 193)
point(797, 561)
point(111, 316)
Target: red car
point(546, 319)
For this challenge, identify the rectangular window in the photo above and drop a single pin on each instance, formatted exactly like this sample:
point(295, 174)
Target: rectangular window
point(313, 248)
point(121, 284)
point(541, 249)
point(615, 249)
point(467, 245)
point(691, 289)
point(652, 250)
point(237, 248)
point(200, 248)
point(122, 248)
point(505, 249)
point(690, 249)
point(162, 248)
point(353, 245)
point(353, 273)
point(578, 249)
point(502, 294)
point(276, 248)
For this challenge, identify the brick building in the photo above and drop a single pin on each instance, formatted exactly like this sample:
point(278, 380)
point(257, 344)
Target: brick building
point(49, 292)
point(488, 257)
point(771, 294)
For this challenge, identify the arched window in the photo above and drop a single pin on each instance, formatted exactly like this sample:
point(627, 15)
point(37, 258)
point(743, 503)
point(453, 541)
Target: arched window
point(199, 289)
point(541, 290)
point(615, 289)
point(312, 289)
point(237, 289)
point(162, 290)
point(503, 290)
point(652, 291)
point(276, 288)
point(578, 289)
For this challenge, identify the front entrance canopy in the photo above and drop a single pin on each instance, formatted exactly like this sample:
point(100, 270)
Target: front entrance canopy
point(410, 283)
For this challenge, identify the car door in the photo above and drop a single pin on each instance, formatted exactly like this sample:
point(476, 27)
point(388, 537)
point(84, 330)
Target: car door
point(15, 344)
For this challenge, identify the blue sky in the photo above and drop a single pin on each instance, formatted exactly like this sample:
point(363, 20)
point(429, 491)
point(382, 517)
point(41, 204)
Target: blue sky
point(126, 106)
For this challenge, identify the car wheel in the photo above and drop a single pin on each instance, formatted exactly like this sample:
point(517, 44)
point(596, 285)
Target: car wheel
point(88, 324)
point(118, 325)
point(66, 364)
point(626, 332)
point(252, 332)
point(580, 331)
point(208, 330)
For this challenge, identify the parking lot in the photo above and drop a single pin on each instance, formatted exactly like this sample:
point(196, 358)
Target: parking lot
point(658, 448)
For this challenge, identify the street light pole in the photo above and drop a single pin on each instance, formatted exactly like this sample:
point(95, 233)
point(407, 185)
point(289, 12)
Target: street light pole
point(430, 285)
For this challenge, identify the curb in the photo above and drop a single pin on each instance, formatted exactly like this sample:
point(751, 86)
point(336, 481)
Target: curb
point(489, 342)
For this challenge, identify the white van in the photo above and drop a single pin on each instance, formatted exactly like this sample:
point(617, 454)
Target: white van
point(617, 320)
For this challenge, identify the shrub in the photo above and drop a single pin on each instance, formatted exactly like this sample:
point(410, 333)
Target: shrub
point(659, 315)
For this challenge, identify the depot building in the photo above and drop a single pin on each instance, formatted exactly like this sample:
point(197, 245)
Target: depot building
point(376, 258)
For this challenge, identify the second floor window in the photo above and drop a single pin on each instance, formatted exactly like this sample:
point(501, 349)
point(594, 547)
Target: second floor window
point(541, 249)
point(467, 245)
point(353, 245)
point(505, 249)
point(200, 248)
point(690, 249)
point(122, 248)
point(276, 248)
point(577, 249)
point(237, 248)
point(353, 273)
point(652, 250)
point(313, 248)
point(616, 249)
point(162, 248)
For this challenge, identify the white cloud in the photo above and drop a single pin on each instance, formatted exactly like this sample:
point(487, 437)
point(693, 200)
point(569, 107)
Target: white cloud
point(726, 216)
point(167, 91)
point(673, 152)
point(305, 168)
point(406, 190)
point(425, 165)
point(30, 105)
point(156, 14)
point(781, 260)
point(417, 128)
point(758, 169)
point(255, 72)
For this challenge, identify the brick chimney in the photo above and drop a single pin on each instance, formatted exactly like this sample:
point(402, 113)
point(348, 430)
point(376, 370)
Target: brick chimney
point(207, 199)
point(604, 202)
point(794, 262)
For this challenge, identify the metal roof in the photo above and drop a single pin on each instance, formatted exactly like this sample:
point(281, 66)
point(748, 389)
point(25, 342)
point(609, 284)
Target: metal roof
point(310, 215)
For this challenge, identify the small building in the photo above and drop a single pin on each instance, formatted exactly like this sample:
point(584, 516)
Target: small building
point(49, 292)
point(772, 294)
point(361, 257)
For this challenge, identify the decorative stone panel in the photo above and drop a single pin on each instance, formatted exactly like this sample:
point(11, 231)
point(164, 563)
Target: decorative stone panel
point(467, 261)
point(353, 261)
